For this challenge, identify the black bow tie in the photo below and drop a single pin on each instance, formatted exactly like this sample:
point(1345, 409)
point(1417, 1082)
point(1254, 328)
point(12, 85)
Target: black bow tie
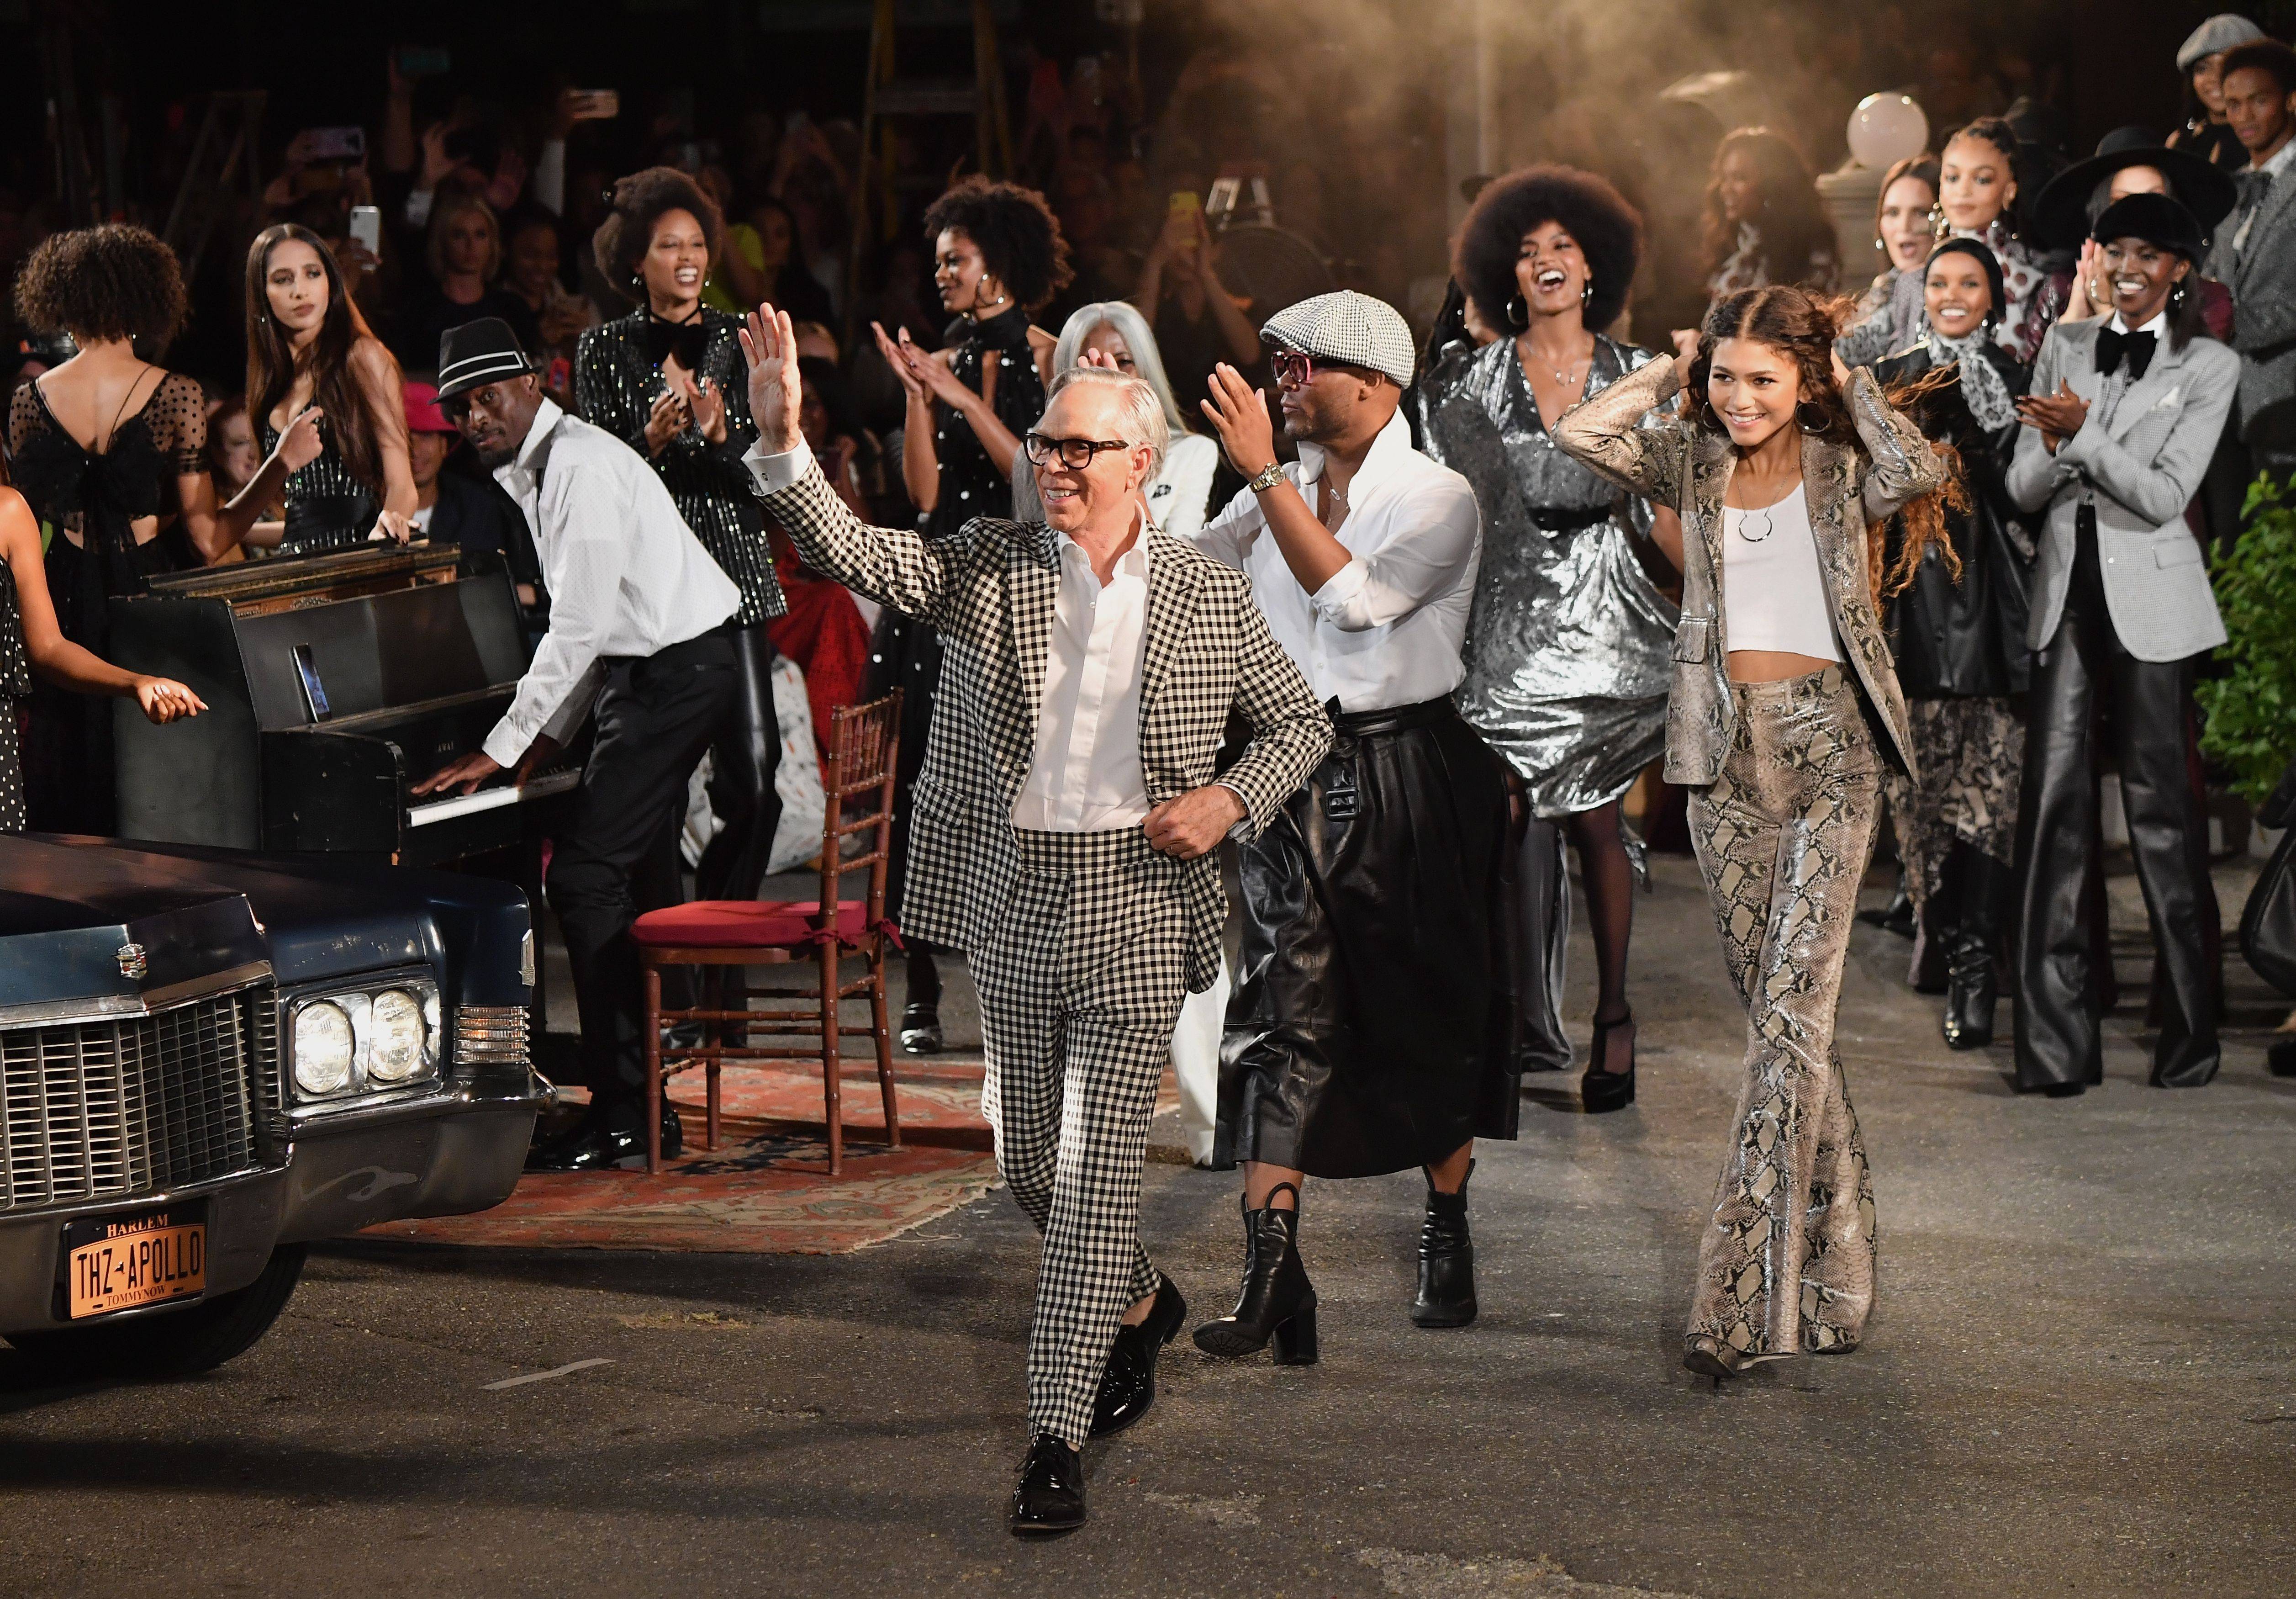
point(2111, 346)
point(2252, 188)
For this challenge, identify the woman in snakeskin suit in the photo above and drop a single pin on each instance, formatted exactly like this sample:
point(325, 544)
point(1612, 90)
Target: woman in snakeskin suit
point(1784, 711)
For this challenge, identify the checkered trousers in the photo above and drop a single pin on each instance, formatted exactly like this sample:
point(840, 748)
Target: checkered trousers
point(1079, 990)
point(991, 591)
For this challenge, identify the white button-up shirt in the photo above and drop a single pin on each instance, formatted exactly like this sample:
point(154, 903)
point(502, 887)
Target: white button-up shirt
point(1386, 631)
point(625, 574)
point(1086, 774)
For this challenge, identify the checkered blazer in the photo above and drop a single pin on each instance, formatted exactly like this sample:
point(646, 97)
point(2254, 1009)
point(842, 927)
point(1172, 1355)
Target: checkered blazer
point(991, 591)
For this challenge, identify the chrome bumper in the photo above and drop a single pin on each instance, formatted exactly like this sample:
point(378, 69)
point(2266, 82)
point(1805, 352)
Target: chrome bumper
point(446, 1155)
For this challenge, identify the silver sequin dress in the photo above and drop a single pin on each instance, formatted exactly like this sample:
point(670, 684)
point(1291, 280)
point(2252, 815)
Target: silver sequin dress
point(1570, 647)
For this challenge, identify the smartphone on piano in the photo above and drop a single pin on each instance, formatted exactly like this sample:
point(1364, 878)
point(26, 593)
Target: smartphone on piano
point(314, 692)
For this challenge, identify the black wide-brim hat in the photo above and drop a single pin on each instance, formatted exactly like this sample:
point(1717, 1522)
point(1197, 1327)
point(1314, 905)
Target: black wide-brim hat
point(479, 352)
point(2060, 213)
point(2155, 218)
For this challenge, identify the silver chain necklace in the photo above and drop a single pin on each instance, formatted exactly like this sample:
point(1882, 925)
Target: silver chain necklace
point(1745, 525)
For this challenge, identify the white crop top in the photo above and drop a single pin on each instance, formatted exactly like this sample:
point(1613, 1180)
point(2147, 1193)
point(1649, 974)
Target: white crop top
point(1773, 593)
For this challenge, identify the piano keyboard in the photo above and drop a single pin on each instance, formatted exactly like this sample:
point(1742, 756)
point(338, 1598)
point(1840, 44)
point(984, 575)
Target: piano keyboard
point(464, 805)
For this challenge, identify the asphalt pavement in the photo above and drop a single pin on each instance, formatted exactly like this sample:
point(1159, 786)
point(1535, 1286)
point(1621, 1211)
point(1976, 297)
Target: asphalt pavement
point(2077, 1379)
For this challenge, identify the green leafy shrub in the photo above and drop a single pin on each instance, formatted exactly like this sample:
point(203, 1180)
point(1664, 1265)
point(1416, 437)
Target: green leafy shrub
point(2252, 708)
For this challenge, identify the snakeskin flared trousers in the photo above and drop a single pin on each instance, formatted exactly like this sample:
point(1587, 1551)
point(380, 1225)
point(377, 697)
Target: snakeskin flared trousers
point(1786, 1263)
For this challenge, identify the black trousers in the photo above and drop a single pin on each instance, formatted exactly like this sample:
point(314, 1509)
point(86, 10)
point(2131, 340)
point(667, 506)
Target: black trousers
point(745, 752)
point(654, 717)
point(2082, 670)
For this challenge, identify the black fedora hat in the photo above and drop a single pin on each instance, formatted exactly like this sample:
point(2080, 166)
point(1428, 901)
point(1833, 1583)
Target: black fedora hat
point(2156, 219)
point(479, 352)
point(2060, 218)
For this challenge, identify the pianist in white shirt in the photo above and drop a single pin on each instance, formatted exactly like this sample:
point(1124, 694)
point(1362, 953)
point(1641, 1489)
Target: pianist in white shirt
point(638, 640)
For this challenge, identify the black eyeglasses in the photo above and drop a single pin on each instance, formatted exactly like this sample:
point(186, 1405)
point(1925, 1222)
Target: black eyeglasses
point(1075, 454)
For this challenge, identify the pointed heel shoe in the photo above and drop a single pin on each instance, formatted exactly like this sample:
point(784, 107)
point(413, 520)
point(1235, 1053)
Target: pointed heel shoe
point(1601, 1090)
point(1711, 1358)
point(1446, 1259)
point(1277, 1303)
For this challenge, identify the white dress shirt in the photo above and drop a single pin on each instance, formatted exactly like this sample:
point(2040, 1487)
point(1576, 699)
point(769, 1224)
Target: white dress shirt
point(625, 574)
point(1386, 631)
point(1086, 774)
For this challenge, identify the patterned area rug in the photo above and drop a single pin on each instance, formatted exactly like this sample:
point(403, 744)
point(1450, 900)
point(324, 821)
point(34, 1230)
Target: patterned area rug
point(766, 1188)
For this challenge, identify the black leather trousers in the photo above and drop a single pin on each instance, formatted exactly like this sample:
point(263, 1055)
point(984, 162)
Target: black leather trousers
point(743, 759)
point(2081, 669)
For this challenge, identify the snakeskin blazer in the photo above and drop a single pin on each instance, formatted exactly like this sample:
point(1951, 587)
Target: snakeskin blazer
point(991, 591)
point(1683, 465)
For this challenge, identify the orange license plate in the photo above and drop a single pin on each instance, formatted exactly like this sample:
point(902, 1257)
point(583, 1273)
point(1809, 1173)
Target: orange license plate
point(117, 1263)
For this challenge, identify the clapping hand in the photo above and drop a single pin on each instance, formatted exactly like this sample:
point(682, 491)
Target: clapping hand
point(1239, 417)
point(669, 417)
point(777, 391)
point(2058, 416)
point(706, 404)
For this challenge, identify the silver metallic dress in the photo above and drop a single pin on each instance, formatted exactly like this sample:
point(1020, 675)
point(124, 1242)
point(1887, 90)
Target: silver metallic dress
point(1570, 647)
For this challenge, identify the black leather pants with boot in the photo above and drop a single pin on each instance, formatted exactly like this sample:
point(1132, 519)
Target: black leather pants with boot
point(1984, 890)
point(745, 756)
point(2058, 1045)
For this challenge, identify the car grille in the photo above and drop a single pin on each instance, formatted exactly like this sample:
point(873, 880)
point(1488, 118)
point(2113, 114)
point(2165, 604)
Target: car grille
point(111, 1109)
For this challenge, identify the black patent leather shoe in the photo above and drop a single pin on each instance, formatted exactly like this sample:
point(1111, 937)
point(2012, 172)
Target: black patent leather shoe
point(598, 1143)
point(921, 1030)
point(1127, 1382)
point(1897, 916)
point(1277, 1303)
point(1447, 1261)
point(1049, 1498)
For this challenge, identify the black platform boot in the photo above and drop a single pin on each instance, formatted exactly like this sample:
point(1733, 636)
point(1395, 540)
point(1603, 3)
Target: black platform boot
point(1985, 885)
point(1277, 1303)
point(1446, 1259)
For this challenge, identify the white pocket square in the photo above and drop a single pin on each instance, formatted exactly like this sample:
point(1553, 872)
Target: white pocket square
point(2170, 400)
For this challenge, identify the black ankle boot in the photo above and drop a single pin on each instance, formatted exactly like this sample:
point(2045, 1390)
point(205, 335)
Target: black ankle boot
point(1971, 989)
point(1446, 1259)
point(1277, 1303)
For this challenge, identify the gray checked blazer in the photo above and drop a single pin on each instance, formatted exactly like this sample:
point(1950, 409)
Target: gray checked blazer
point(1679, 465)
point(2141, 464)
point(2262, 279)
point(991, 590)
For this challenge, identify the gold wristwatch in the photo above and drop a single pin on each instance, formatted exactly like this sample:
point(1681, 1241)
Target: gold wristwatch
point(1269, 477)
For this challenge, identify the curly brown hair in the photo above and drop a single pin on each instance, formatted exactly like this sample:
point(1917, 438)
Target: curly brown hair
point(113, 281)
point(1609, 232)
point(640, 200)
point(1018, 236)
point(1803, 326)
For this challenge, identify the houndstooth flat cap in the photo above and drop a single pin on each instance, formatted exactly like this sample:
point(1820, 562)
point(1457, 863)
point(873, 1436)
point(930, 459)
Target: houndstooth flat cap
point(2226, 31)
point(1349, 327)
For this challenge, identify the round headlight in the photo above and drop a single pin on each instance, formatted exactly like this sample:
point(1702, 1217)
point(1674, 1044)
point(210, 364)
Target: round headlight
point(322, 1049)
point(394, 1037)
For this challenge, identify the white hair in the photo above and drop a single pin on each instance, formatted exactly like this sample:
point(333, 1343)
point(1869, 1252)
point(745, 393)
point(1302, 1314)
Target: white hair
point(1127, 320)
point(1140, 414)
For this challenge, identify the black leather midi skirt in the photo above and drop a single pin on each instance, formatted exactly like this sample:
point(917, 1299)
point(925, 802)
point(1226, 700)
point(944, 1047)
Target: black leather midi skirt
point(1374, 1019)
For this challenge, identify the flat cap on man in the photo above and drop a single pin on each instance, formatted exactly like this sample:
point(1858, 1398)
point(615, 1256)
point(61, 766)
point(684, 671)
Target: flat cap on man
point(1352, 329)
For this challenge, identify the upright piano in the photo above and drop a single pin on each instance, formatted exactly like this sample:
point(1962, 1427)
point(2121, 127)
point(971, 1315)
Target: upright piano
point(333, 684)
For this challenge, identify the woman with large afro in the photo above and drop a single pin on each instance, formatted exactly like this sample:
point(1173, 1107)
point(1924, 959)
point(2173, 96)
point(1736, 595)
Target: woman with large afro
point(1569, 655)
point(997, 257)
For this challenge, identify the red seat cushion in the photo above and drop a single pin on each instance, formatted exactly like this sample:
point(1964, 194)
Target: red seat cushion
point(747, 924)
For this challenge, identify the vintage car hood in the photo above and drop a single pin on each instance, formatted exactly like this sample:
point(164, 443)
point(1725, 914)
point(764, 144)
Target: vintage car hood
point(69, 904)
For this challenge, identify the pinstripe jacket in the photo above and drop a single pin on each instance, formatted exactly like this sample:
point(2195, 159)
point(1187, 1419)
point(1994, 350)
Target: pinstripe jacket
point(1678, 464)
point(991, 590)
point(2139, 457)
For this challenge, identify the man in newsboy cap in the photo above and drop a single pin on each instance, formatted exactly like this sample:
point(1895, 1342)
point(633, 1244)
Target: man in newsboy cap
point(1372, 1027)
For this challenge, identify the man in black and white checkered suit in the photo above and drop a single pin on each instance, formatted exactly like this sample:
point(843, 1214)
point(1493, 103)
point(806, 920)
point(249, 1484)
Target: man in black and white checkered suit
point(1063, 828)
